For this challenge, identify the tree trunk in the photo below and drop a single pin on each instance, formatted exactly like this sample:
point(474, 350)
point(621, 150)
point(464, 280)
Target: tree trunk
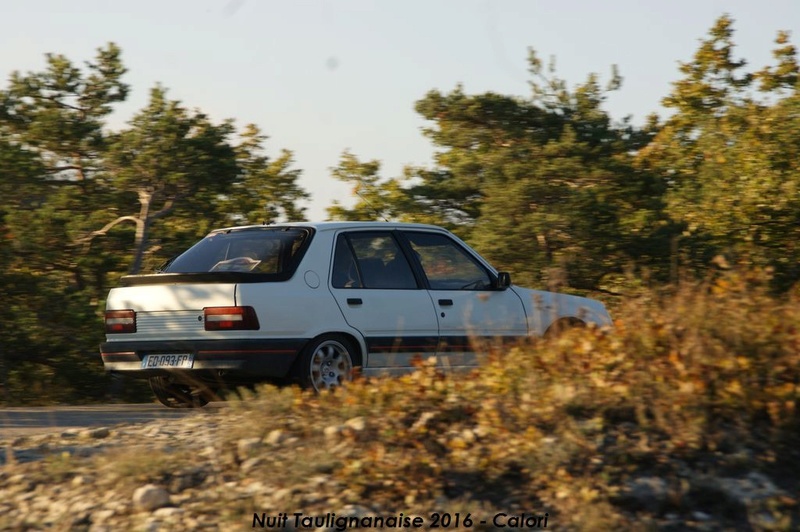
point(142, 231)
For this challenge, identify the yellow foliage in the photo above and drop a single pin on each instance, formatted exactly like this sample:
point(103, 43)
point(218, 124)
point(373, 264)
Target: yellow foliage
point(569, 419)
point(734, 387)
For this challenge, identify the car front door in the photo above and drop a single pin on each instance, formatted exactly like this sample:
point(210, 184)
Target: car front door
point(379, 294)
point(470, 309)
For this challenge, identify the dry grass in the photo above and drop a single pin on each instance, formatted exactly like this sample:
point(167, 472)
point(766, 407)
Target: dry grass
point(704, 380)
point(690, 388)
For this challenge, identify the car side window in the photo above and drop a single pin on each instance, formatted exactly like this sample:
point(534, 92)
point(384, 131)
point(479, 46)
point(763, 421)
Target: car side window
point(370, 260)
point(345, 273)
point(447, 265)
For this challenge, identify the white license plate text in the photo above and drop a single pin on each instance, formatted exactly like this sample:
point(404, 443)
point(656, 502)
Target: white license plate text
point(182, 360)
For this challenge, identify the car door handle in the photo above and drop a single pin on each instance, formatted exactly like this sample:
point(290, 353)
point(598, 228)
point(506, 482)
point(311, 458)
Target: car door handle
point(354, 301)
point(446, 302)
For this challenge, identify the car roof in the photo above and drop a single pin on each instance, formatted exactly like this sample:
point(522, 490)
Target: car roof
point(334, 226)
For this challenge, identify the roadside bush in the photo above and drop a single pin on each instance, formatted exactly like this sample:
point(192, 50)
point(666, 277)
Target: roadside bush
point(699, 382)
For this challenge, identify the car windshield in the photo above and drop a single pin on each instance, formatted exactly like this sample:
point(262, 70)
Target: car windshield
point(270, 250)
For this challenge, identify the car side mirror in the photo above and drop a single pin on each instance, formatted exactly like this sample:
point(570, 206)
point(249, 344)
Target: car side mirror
point(503, 280)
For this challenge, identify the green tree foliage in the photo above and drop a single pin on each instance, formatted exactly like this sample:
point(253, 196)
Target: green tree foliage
point(266, 190)
point(181, 166)
point(546, 185)
point(566, 193)
point(83, 204)
point(173, 162)
point(52, 141)
point(378, 199)
point(728, 157)
point(549, 187)
point(540, 185)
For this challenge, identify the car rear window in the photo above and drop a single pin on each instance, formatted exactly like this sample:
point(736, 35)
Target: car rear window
point(267, 250)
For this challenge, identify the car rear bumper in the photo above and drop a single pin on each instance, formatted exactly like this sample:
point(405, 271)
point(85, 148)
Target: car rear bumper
point(243, 358)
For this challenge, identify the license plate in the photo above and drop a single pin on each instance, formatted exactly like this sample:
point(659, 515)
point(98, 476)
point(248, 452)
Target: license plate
point(183, 361)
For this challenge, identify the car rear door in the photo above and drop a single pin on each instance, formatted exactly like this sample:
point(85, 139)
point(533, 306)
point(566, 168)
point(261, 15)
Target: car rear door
point(470, 311)
point(379, 294)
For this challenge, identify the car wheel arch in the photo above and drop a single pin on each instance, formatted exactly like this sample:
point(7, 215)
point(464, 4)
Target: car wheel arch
point(354, 338)
point(327, 361)
point(562, 324)
point(355, 341)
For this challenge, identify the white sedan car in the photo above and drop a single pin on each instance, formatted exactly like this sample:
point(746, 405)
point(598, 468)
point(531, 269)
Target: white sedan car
point(308, 302)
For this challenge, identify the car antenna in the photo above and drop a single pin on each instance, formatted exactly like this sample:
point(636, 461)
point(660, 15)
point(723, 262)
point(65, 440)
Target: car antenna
point(271, 218)
point(358, 193)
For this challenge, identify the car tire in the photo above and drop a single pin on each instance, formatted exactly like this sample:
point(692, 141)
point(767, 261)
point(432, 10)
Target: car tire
point(174, 394)
point(327, 362)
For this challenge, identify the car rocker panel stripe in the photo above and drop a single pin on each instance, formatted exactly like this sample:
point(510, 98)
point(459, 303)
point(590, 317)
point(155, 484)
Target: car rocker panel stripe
point(461, 344)
point(394, 352)
point(418, 344)
point(450, 351)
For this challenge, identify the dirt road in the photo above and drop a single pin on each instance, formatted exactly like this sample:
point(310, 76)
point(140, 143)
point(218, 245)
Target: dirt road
point(26, 421)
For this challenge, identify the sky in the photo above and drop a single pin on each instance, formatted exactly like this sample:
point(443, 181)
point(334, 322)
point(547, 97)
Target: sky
point(323, 76)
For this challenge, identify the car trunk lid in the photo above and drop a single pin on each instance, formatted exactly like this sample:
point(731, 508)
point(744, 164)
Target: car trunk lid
point(169, 310)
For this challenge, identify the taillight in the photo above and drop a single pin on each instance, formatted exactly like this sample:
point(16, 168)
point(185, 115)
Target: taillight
point(230, 319)
point(120, 321)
